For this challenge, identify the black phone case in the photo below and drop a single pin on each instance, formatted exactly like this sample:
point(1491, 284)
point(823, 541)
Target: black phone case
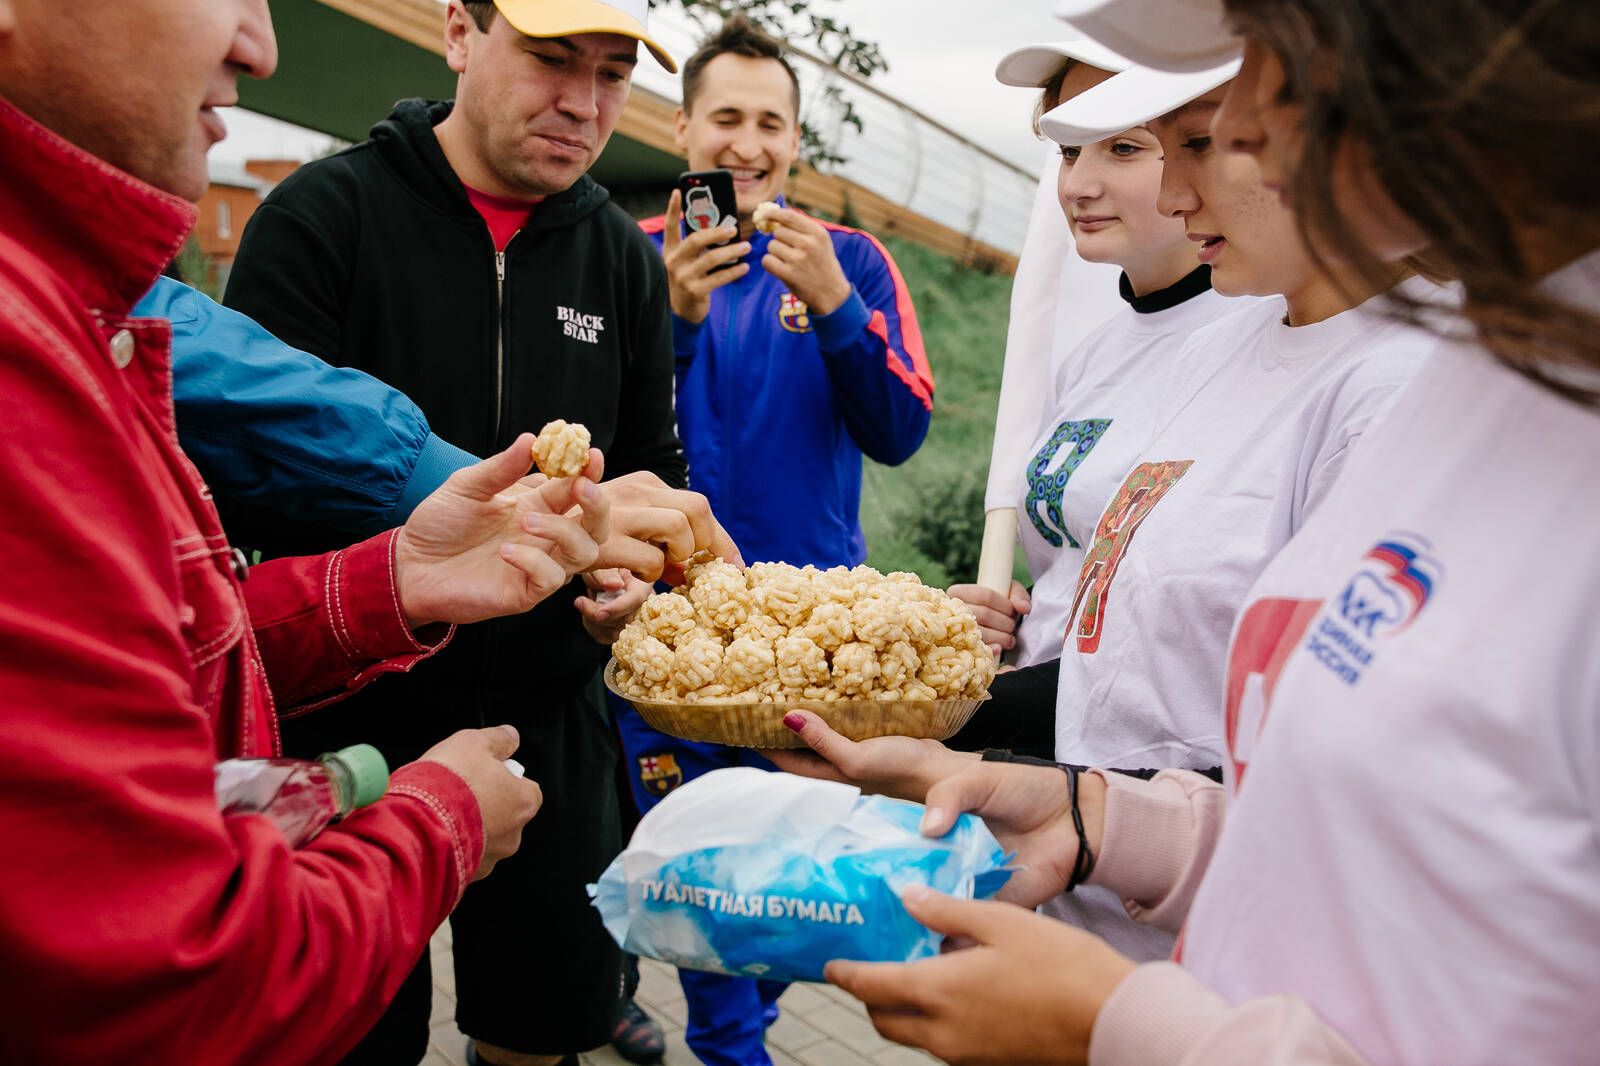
point(708, 200)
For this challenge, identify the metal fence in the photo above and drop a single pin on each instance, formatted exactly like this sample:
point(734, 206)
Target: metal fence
point(899, 153)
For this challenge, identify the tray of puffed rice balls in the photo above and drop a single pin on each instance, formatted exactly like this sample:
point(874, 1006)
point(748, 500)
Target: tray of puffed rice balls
point(725, 656)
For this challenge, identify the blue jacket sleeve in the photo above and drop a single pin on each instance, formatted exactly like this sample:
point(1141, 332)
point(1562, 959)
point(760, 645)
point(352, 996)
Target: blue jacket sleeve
point(274, 426)
point(872, 346)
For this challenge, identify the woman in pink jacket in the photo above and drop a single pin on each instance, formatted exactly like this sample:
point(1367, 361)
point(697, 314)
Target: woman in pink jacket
point(1401, 865)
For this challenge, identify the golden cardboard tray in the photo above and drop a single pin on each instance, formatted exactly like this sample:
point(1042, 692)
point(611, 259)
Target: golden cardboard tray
point(760, 725)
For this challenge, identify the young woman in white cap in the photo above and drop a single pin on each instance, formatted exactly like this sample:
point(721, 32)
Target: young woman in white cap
point(1410, 874)
point(1097, 391)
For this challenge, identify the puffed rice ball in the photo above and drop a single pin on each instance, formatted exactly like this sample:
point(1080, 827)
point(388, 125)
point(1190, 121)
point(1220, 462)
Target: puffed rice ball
point(763, 216)
point(747, 663)
point(697, 663)
point(801, 664)
point(878, 620)
point(667, 618)
point(762, 627)
point(653, 661)
point(829, 626)
point(562, 448)
point(855, 669)
point(898, 665)
point(719, 591)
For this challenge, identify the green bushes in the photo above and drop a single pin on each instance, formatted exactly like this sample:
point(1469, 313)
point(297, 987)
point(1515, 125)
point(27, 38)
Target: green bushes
point(927, 515)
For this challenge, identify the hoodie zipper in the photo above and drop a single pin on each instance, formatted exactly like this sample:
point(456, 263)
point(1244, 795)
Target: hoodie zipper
point(500, 339)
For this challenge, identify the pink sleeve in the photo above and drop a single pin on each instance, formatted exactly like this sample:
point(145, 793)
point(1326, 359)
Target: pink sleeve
point(327, 625)
point(1158, 840)
point(1160, 1015)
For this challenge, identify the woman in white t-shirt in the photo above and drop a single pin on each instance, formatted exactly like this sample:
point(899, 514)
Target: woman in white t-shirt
point(1244, 429)
point(1409, 871)
point(1098, 390)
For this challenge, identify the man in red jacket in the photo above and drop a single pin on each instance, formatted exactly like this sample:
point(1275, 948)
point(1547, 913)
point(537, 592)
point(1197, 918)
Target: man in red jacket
point(136, 923)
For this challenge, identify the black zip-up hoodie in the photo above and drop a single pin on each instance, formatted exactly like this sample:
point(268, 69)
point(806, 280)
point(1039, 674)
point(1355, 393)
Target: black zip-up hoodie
point(374, 258)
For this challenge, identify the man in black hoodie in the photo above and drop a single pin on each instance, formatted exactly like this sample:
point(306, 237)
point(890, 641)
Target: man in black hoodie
point(463, 255)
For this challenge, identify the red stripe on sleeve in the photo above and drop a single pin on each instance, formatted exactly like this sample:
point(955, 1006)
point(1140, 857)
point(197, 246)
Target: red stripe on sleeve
point(653, 226)
point(910, 331)
point(879, 327)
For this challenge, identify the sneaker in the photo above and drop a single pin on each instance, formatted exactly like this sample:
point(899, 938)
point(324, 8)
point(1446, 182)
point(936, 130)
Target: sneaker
point(638, 1038)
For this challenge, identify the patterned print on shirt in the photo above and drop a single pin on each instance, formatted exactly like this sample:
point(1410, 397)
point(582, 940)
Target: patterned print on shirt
point(1046, 486)
point(1132, 505)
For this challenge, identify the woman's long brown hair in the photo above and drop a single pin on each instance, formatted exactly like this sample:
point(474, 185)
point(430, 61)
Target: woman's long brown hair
point(1481, 120)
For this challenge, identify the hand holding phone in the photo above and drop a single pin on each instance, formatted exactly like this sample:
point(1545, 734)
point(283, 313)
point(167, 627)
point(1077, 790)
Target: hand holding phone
point(700, 242)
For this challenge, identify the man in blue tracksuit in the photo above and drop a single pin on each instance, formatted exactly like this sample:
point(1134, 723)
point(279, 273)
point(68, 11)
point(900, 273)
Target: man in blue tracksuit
point(793, 362)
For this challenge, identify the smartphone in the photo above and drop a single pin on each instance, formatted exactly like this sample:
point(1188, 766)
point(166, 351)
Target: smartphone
point(708, 201)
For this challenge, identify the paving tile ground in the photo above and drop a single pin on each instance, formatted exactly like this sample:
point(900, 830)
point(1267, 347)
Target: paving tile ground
point(819, 1026)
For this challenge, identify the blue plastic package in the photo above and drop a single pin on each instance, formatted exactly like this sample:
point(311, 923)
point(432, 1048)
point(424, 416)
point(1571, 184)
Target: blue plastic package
point(771, 875)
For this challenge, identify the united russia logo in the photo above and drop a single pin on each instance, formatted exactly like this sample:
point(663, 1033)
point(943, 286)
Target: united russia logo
point(1396, 579)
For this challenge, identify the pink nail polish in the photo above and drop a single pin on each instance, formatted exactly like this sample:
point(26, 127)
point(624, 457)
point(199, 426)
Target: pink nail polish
point(795, 722)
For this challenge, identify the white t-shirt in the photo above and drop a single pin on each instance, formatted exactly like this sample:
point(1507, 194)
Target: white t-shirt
point(1107, 397)
point(1260, 420)
point(1264, 418)
point(1414, 736)
point(1057, 300)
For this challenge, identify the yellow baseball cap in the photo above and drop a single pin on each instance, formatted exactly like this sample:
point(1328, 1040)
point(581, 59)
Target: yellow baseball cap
point(564, 18)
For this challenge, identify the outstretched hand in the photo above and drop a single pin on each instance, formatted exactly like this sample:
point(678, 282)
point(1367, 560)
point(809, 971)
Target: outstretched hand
point(902, 767)
point(1026, 807)
point(1028, 989)
point(492, 541)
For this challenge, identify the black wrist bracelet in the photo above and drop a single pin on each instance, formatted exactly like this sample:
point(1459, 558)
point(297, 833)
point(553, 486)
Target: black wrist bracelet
point(1083, 863)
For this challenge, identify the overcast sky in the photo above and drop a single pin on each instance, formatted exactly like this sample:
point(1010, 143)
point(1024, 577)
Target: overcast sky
point(941, 57)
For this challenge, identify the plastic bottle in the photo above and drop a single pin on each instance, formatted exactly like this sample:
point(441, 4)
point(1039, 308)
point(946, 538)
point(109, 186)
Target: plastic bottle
point(300, 795)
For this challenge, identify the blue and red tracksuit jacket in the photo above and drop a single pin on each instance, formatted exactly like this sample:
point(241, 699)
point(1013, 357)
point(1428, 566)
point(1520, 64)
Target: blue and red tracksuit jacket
point(776, 406)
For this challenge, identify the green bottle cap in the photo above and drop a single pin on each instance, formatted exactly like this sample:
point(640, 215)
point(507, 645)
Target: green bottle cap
point(368, 772)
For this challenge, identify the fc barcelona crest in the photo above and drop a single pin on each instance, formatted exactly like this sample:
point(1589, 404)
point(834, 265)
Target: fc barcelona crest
point(793, 314)
point(659, 774)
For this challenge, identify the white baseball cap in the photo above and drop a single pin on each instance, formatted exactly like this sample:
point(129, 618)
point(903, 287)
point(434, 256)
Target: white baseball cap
point(1182, 36)
point(1129, 99)
point(1033, 66)
point(565, 18)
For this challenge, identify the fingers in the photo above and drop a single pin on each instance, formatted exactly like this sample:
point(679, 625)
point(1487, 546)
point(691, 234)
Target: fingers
point(822, 739)
point(666, 527)
point(947, 799)
point(503, 740)
point(595, 514)
point(977, 597)
point(542, 572)
point(789, 225)
point(882, 986)
point(496, 474)
point(1021, 601)
point(697, 253)
point(671, 236)
point(803, 764)
point(981, 921)
point(645, 561)
point(571, 545)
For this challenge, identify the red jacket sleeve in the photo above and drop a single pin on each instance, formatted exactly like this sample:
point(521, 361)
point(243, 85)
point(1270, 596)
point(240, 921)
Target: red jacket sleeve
point(326, 625)
point(136, 924)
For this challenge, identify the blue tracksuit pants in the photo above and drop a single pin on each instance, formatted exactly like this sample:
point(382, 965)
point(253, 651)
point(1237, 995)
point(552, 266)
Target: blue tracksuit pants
point(728, 1016)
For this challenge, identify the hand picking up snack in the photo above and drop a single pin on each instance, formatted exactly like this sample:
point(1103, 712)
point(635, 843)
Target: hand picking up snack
point(776, 633)
point(764, 216)
point(562, 449)
point(770, 875)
